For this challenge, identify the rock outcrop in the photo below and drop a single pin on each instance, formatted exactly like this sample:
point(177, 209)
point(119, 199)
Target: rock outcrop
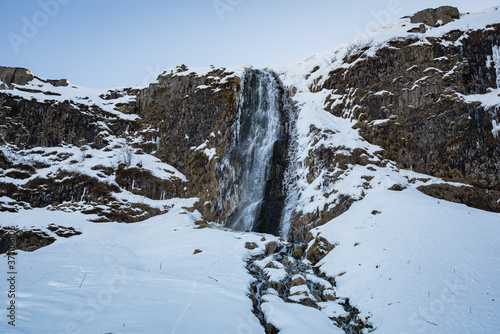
point(21, 76)
point(409, 100)
point(192, 115)
point(436, 17)
point(15, 75)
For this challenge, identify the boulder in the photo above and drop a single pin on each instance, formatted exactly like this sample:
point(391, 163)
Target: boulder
point(298, 280)
point(15, 75)
point(59, 82)
point(271, 247)
point(298, 251)
point(250, 245)
point(431, 16)
point(319, 249)
point(447, 14)
point(426, 16)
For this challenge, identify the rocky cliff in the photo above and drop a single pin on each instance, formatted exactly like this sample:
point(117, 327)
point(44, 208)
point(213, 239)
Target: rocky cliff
point(420, 101)
point(413, 99)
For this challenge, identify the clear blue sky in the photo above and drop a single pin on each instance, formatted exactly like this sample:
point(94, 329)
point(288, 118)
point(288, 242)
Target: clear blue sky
point(110, 43)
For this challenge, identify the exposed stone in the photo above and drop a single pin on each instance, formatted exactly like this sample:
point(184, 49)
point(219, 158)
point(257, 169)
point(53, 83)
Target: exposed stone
point(15, 75)
point(317, 295)
point(201, 224)
point(279, 287)
point(273, 265)
point(251, 245)
point(63, 231)
point(197, 251)
point(59, 82)
point(298, 280)
point(447, 14)
point(271, 247)
point(432, 17)
point(297, 254)
point(329, 295)
point(309, 303)
point(25, 240)
point(319, 249)
point(270, 329)
point(397, 187)
point(143, 182)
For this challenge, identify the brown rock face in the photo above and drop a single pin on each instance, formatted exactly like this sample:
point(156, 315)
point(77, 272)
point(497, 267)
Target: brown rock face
point(417, 89)
point(431, 17)
point(187, 111)
point(15, 75)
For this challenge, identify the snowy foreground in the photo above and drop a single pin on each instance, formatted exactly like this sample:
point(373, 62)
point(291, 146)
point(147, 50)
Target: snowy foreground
point(420, 266)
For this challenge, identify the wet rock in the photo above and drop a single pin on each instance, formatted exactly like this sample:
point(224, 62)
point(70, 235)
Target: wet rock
point(319, 249)
point(251, 245)
point(274, 265)
point(298, 251)
point(298, 280)
point(297, 254)
point(271, 247)
point(185, 116)
point(279, 287)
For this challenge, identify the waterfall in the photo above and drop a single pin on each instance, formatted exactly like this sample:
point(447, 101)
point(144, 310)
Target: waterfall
point(255, 155)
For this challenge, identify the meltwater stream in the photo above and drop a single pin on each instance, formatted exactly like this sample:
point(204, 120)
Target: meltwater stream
point(258, 139)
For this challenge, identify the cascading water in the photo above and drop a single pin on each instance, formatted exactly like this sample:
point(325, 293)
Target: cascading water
point(261, 155)
point(256, 186)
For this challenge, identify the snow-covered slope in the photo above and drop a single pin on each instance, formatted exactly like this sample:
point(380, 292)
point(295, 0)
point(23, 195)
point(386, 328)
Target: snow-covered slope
point(416, 264)
point(78, 95)
point(138, 278)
